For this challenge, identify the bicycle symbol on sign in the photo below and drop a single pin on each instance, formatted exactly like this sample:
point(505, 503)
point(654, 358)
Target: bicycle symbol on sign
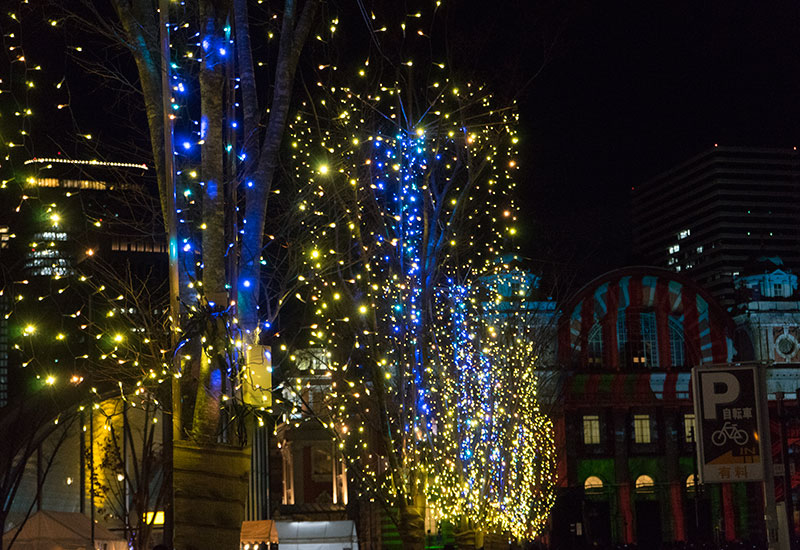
point(729, 431)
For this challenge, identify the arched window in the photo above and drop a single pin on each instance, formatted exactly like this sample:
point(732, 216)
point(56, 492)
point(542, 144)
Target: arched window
point(644, 484)
point(637, 344)
point(593, 484)
point(649, 339)
point(622, 337)
point(595, 341)
point(677, 345)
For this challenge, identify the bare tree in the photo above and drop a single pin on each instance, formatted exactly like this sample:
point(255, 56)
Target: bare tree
point(131, 475)
point(33, 429)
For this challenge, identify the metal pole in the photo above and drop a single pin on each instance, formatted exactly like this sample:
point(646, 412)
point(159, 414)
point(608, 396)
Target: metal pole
point(125, 493)
point(91, 472)
point(172, 434)
point(787, 474)
point(82, 473)
point(770, 512)
point(696, 483)
point(169, 174)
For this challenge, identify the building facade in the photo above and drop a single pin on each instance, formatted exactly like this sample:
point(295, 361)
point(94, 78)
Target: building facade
point(716, 212)
point(626, 344)
point(767, 313)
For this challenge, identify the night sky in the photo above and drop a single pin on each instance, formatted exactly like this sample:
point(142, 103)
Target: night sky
point(610, 94)
point(638, 87)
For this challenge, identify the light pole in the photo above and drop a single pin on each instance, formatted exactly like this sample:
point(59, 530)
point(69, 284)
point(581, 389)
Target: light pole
point(787, 474)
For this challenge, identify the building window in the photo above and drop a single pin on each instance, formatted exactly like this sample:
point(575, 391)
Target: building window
point(644, 484)
point(676, 342)
point(641, 428)
point(596, 345)
point(288, 475)
point(622, 337)
point(649, 339)
point(591, 429)
point(593, 484)
point(321, 462)
point(689, 428)
point(691, 482)
point(638, 348)
point(777, 290)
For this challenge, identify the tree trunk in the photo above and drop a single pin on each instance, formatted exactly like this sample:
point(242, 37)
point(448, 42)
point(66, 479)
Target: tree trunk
point(412, 527)
point(212, 83)
point(293, 37)
point(210, 492)
point(467, 537)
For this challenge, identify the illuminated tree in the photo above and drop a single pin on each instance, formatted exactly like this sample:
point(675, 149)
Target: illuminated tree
point(240, 122)
point(505, 441)
point(228, 117)
point(408, 199)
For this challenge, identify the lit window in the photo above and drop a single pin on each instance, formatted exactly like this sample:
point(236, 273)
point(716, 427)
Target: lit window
point(674, 248)
point(593, 483)
point(641, 428)
point(154, 518)
point(685, 233)
point(591, 429)
point(645, 484)
point(689, 428)
point(691, 482)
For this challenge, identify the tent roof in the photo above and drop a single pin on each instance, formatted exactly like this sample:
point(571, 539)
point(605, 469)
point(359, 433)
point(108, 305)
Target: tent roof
point(302, 535)
point(254, 532)
point(64, 529)
point(309, 532)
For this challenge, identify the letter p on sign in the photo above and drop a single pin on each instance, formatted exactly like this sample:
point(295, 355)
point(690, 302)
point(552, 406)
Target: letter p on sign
point(719, 388)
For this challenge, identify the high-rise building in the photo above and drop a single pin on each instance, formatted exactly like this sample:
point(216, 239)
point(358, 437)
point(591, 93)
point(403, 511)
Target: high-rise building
point(720, 211)
point(69, 221)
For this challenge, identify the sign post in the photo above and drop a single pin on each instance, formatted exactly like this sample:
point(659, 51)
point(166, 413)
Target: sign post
point(733, 438)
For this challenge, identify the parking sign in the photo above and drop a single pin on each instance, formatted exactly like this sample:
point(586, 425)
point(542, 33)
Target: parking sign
point(727, 406)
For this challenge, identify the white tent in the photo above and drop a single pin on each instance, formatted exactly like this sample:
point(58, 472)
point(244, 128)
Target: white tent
point(317, 535)
point(256, 532)
point(46, 530)
point(302, 535)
